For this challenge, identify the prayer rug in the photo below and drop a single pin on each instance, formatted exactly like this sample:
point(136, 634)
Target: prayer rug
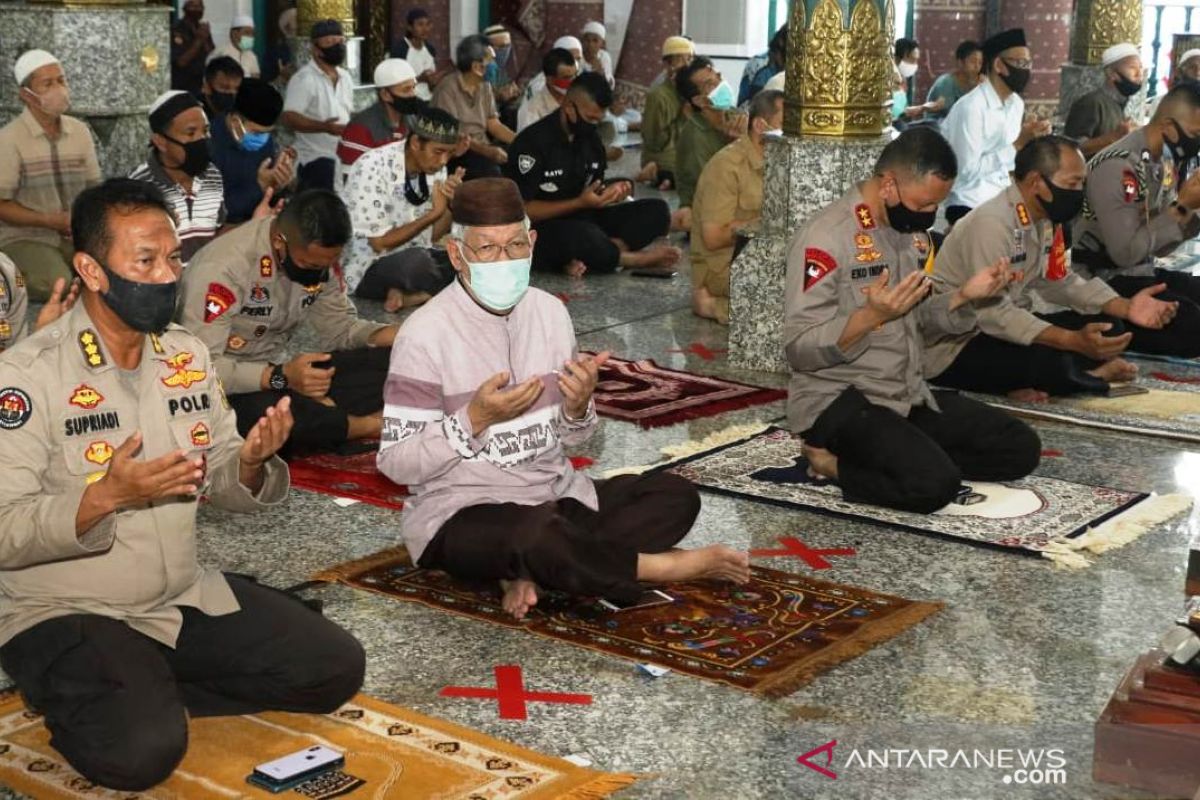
point(770, 636)
point(1040, 515)
point(391, 752)
point(654, 396)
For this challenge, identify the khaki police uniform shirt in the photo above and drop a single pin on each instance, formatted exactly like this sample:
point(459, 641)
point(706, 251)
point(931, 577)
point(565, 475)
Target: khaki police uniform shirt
point(1004, 228)
point(240, 302)
point(14, 304)
point(1127, 214)
point(65, 406)
point(730, 187)
point(837, 254)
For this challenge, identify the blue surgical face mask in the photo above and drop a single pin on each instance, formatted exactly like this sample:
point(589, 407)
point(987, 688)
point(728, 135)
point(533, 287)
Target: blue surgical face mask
point(499, 285)
point(253, 141)
point(722, 97)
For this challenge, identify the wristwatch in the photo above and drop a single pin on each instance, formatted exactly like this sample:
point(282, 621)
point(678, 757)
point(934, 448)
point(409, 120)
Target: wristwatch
point(278, 381)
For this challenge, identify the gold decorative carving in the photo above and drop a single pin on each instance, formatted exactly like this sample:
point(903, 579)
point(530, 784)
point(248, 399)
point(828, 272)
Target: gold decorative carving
point(310, 11)
point(377, 40)
point(149, 59)
point(837, 82)
point(1099, 24)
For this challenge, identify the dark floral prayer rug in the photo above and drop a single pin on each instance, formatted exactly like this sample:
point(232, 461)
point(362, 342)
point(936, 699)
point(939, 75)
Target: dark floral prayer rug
point(353, 476)
point(770, 636)
point(652, 396)
point(1035, 514)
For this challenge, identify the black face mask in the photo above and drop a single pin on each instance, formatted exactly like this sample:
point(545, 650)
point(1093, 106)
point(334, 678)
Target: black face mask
point(335, 54)
point(145, 307)
point(581, 128)
point(1126, 87)
point(222, 101)
point(408, 105)
point(1064, 204)
point(195, 155)
point(1017, 78)
point(1185, 147)
point(298, 274)
point(903, 219)
point(416, 189)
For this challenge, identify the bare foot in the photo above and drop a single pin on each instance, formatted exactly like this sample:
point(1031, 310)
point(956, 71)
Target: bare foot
point(1117, 370)
point(575, 269)
point(416, 299)
point(369, 427)
point(519, 597)
point(822, 464)
point(662, 256)
point(716, 562)
point(681, 220)
point(666, 186)
point(648, 174)
point(1029, 396)
point(704, 304)
point(394, 301)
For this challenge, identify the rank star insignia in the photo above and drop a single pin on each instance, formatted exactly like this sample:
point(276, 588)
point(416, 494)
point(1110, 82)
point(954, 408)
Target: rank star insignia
point(90, 346)
point(99, 453)
point(865, 219)
point(181, 377)
point(199, 434)
point(1023, 215)
point(85, 396)
point(266, 267)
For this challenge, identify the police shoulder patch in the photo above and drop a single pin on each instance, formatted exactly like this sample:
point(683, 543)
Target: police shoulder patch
point(817, 264)
point(15, 408)
point(525, 163)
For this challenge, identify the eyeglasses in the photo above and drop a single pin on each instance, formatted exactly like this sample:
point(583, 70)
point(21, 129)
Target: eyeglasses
point(1024, 63)
point(517, 248)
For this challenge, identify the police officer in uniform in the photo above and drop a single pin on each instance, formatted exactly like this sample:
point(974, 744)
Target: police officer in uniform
point(247, 292)
point(1015, 351)
point(113, 424)
point(857, 302)
point(581, 222)
point(14, 303)
point(1140, 206)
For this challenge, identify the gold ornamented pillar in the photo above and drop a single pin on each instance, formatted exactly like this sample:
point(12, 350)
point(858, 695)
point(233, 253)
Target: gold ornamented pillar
point(310, 11)
point(838, 77)
point(1099, 24)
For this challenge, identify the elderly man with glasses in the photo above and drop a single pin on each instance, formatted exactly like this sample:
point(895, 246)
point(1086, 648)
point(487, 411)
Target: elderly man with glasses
point(485, 389)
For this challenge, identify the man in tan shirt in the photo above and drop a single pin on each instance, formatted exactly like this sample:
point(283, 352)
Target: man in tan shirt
point(247, 292)
point(729, 197)
point(468, 96)
point(46, 160)
point(114, 424)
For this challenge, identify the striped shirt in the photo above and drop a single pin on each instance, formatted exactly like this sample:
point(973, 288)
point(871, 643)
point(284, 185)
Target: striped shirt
point(44, 174)
point(200, 213)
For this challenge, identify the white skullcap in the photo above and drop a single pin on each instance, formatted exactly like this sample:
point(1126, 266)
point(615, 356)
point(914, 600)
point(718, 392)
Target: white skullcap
point(1189, 55)
point(392, 71)
point(29, 61)
point(242, 21)
point(568, 43)
point(777, 82)
point(596, 28)
point(1118, 52)
point(678, 46)
point(163, 98)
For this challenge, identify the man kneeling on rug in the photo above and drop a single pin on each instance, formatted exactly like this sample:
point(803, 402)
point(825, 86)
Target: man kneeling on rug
point(857, 305)
point(485, 389)
point(109, 626)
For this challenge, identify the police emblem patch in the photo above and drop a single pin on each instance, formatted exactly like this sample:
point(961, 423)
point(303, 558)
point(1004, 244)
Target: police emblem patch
point(525, 163)
point(15, 408)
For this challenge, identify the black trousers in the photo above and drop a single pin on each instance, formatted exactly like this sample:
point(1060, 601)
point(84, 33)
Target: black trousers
point(994, 366)
point(475, 166)
point(955, 213)
point(116, 701)
point(316, 174)
point(1182, 336)
point(566, 546)
point(917, 463)
point(411, 270)
point(588, 236)
point(356, 390)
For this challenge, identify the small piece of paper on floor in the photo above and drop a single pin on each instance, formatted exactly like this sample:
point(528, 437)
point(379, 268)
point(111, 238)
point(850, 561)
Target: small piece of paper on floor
point(653, 670)
point(578, 760)
point(344, 502)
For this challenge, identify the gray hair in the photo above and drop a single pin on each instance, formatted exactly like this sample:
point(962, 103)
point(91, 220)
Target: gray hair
point(458, 231)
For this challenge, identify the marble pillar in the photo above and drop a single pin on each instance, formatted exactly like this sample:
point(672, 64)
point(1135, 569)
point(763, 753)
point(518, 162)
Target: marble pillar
point(117, 60)
point(836, 122)
point(1099, 24)
point(310, 11)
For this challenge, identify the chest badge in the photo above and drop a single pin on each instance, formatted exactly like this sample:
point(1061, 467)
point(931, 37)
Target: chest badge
point(199, 434)
point(525, 163)
point(85, 396)
point(99, 453)
point(181, 376)
point(311, 293)
point(5, 330)
point(260, 294)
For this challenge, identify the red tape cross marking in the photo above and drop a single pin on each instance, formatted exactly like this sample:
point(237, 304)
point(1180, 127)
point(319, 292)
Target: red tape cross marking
point(510, 693)
point(814, 558)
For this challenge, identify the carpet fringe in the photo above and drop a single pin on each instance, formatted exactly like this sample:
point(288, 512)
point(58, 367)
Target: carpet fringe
point(1117, 532)
point(600, 787)
point(675, 452)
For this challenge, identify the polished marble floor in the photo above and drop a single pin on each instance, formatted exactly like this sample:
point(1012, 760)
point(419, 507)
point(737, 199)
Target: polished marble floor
point(1023, 657)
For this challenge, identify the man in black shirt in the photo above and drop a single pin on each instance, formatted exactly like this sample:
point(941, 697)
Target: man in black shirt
point(191, 42)
point(582, 221)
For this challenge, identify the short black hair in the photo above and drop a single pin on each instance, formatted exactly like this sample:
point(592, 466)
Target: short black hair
point(316, 216)
point(966, 48)
point(919, 152)
point(471, 49)
point(1042, 155)
point(905, 46)
point(555, 58)
point(595, 86)
point(90, 213)
point(415, 14)
point(779, 42)
point(1182, 98)
point(764, 103)
point(683, 79)
point(223, 65)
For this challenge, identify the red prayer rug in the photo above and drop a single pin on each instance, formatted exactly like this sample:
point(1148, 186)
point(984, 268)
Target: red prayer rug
point(654, 396)
point(770, 636)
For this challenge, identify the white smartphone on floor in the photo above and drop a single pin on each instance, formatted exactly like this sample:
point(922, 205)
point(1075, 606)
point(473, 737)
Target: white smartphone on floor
point(291, 770)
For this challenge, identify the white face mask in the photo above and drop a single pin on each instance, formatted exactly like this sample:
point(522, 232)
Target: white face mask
point(907, 69)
